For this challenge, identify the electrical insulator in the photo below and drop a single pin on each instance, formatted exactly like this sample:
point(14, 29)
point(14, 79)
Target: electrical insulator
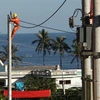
point(71, 22)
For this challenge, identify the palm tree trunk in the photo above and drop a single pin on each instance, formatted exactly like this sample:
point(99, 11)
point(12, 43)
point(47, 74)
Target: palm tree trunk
point(43, 57)
point(77, 62)
point(61, 61)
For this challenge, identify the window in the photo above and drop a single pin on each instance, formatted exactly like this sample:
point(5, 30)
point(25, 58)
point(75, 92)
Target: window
point(60, 82)
point(68, 82)
point(65, 81)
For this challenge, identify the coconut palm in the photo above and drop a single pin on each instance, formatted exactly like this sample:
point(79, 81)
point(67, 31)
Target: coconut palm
point(60, 46)
point(4, 54)
point(75, 52)
point(43, 43)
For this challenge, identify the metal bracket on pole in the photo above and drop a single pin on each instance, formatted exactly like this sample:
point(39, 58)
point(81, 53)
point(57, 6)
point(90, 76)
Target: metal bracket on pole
point(88, 79)
point(96, 55)
point(87, 53)
point(97, 20)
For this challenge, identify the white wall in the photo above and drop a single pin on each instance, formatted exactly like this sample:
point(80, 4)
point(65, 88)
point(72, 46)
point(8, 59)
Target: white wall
point(75, 82)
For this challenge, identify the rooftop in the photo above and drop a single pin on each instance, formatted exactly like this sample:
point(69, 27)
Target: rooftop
point(34, 68)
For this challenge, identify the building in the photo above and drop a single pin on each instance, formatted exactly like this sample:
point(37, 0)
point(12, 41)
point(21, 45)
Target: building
point(64, 78)
point(71, 78)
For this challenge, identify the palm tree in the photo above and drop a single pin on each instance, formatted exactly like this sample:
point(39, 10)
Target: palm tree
point(4, 54)
point(60, 45)
point(43, 43)
point(75, 52)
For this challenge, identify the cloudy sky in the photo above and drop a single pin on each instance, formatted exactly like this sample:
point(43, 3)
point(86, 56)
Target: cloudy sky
point(37, 11)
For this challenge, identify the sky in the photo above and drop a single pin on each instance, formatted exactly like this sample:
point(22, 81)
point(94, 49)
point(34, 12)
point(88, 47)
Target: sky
point(37, 11)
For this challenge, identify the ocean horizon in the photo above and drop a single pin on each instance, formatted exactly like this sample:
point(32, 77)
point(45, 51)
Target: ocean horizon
point(32, 58)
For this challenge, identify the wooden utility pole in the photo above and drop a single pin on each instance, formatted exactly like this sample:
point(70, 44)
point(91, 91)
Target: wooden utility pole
point(96, 35)
point(9, 60)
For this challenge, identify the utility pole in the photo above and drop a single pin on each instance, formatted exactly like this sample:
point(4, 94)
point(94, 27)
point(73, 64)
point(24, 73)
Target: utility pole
point(96, 49)
point(86, 60)
point(9, 60)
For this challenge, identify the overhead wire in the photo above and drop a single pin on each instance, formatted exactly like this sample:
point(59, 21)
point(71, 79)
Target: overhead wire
point(47, 18)
point(20, 44)
point(39, 25)
point(76, 14)
point(33, 48)
point(77, 10)
point(47, 27)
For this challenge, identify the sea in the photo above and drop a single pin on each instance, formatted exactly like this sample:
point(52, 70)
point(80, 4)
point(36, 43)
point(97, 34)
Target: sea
point(30, 57)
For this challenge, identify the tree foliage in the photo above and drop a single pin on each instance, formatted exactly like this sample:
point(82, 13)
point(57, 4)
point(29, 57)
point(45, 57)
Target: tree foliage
point(2, 97)
point(61, 46)
point(41, 83)
point(75, 52)
point(4, 54)
point(43, 43)
point(74, 93)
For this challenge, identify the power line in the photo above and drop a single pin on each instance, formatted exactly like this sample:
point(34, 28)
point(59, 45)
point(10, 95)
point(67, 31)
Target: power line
point(39, 25)
point(20, 44)
point(76, 11)
point(46, 27)
point(47, 18)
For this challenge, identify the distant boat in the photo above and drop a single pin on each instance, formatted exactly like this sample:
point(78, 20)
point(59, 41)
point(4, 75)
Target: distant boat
point(28, 55)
